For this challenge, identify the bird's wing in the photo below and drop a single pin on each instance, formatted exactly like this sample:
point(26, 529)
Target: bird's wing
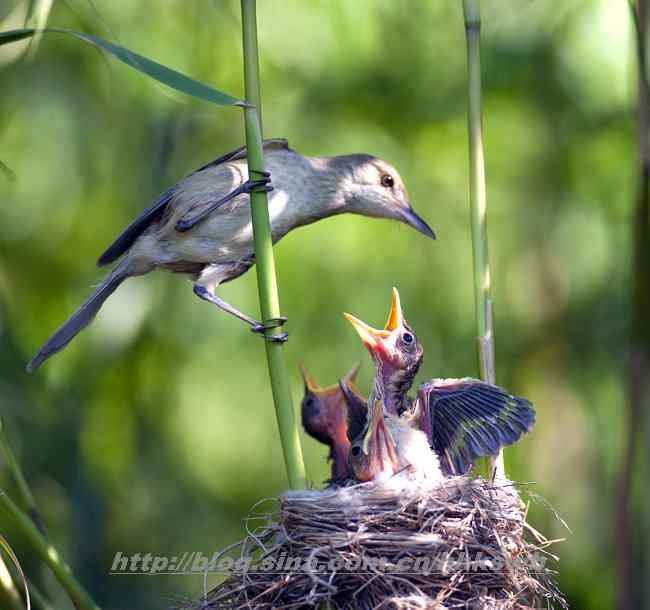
point(240, 153)
point(135, 229)
point(156, 210)
point(467, 418)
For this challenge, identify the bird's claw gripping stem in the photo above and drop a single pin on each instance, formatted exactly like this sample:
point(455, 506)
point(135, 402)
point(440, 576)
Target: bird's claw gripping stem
point(250, 186)
point(268, 325)
point(262, 184)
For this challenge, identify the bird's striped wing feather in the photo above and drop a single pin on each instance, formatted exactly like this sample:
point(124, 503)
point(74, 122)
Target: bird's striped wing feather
point(468, 418)
point(127, 238)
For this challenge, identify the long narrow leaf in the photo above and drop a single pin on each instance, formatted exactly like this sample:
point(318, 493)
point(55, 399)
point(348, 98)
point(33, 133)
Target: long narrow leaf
point(14, 19)
point(38, 14)
point(38, 11)
point(163, 74)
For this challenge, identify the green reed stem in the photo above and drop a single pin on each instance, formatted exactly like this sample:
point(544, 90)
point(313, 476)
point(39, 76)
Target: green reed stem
point(266, 276)
point(478, 208)
point(9, 596)
point(25, 493)
point(47, 553)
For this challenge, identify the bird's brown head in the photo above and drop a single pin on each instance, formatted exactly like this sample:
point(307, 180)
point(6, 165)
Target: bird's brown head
point(373, 453)
point(325, 418)
point(374, 188)
point(395, 350)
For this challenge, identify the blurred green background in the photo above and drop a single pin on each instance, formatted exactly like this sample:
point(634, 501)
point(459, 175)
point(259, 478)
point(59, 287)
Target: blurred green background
point(155, 431)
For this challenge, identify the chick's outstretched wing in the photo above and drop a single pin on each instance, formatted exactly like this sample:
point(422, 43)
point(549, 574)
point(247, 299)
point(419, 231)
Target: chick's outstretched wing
point(467, 418)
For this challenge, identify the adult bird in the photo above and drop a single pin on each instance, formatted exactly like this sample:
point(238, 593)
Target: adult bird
point(202, 227)
point(325, 414)
point(462, 419)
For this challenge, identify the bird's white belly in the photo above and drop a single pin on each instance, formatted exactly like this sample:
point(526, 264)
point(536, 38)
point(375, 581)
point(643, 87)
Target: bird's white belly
point(414, 450)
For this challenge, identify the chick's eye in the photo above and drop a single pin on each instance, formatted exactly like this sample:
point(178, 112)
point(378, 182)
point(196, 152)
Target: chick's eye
point(387, 180)
point(356, 451)
point(408, 338)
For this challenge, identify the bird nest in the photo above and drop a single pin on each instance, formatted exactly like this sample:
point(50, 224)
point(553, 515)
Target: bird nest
point(464, 543)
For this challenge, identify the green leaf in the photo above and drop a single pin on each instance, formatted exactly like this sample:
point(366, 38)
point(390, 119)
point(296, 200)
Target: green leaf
point(4, 545)
point(39, 10)
point(153, 69)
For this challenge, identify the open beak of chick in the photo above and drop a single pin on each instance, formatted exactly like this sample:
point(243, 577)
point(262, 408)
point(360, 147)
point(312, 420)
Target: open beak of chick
point(378, 342)
point(374, 454)
point(325, 418)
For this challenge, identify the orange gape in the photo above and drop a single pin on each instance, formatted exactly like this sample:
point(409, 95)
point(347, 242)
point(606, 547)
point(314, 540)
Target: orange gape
point(444, 429)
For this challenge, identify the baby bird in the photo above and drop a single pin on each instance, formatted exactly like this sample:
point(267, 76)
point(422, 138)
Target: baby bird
point(387, 445)
point(461, 419)
point(325, 418)
point(201, 227)
point(337, 415)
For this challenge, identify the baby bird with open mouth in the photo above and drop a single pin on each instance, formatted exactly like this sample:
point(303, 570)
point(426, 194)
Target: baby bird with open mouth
point(443, 430)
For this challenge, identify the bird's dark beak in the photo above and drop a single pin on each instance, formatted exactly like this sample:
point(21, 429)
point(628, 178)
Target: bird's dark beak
point(351, 375)
point(409, 217)
point(355, 403)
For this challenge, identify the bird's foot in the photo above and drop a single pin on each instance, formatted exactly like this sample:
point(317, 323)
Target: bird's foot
point(260, 185)
point(270, 324)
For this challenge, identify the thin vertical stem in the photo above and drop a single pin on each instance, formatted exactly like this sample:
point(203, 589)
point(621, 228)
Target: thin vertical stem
point(47, 553)
point(38, 599)
point(25, 493)
point(631, 576)
point(266, 276)
point(478, 208)
point(9, 596)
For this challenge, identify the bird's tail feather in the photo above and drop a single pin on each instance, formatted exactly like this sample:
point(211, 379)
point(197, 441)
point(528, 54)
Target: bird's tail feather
point(80, 319)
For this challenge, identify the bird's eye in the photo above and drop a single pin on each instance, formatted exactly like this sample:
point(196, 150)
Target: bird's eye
point(408, 338)
point(387, 181)
point(355, 450)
